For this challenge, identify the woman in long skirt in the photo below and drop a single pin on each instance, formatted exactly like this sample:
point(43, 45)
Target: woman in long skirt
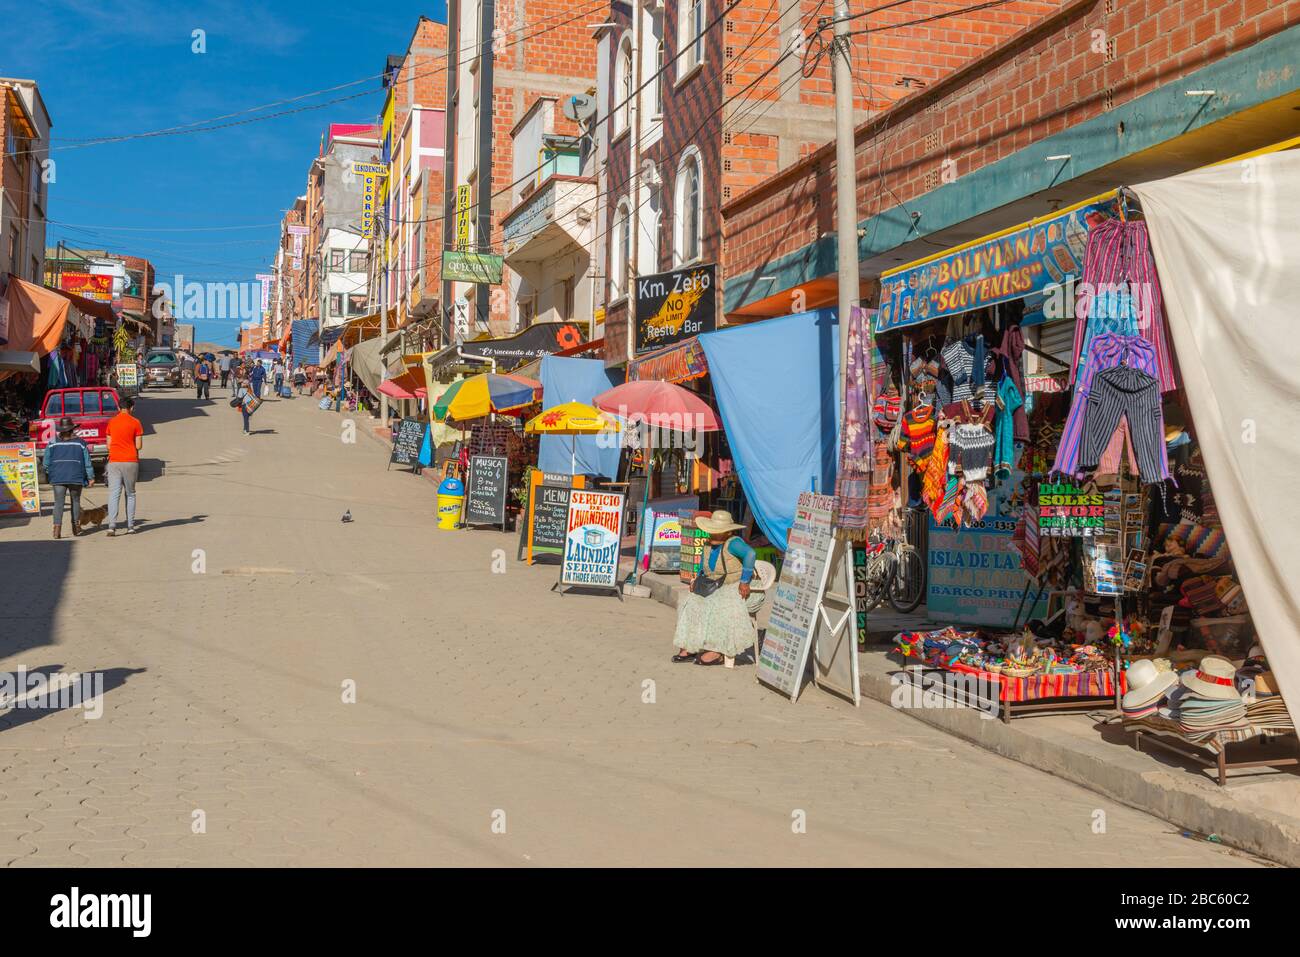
point(713, 628)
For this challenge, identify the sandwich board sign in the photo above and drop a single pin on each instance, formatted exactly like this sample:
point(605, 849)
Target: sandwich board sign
point(485, 491)
point(835, 637)
point(799, 610)
point(593, 540)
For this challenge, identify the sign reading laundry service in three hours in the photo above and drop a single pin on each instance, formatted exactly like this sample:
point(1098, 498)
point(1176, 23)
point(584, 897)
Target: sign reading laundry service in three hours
point(591, 545)
point(670, 307)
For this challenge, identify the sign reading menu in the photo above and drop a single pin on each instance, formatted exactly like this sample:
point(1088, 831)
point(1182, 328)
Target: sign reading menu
point(594, 532)
point(797, 596)
point(20, 492)
point(485, 492)
point(548, 513)
point(410, 436)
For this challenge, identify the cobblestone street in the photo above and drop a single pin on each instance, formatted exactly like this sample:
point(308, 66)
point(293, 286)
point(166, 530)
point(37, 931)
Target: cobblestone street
point(228, 628)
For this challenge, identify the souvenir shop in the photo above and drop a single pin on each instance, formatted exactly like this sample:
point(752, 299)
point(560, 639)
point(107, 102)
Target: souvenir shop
point(1029, 405)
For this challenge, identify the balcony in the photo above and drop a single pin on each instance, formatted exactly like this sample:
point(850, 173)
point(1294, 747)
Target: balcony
point(556, 218)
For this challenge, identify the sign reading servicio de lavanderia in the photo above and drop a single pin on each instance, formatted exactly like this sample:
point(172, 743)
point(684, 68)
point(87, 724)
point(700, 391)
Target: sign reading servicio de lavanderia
point(672, 306)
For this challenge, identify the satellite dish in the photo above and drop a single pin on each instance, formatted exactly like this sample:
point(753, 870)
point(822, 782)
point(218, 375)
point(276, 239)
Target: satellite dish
point(579, 107)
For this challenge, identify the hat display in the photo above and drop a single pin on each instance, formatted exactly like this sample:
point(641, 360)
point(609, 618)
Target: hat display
point(1146, 684)
point(719, 522)
point(1214, 678)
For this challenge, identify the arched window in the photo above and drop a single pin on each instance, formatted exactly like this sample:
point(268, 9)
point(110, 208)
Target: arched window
point(688, 209)
point(620, 250)
point(624, 78)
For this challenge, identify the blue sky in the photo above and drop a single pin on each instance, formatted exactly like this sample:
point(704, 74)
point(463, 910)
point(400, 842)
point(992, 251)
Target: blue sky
point(120, 67)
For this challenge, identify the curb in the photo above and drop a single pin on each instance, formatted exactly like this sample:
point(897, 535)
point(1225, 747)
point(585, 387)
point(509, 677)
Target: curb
point(1133, 778)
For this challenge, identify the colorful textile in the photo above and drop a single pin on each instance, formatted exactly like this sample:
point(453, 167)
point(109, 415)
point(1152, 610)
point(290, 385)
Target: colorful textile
point(1123, 393)
point(1012, 351)
point(681, 362)
point(853, 479)
point(885, 411)
point(1009, 403)
point(1108, 351)
point(1120, 252)
point(918, 431)
point(965, 360)
point(1084, 684)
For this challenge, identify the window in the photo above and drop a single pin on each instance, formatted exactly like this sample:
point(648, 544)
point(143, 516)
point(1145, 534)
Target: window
point(72, 403)
point(658, 98)
point(624, 78)
point(110, 403)
point(357, 304)
point(688, 209)
point(336, 304)
point(54, 406)
point(357, 261)
point(336, 258)
point(620, 251)
point(91, 405)
point(691, 36)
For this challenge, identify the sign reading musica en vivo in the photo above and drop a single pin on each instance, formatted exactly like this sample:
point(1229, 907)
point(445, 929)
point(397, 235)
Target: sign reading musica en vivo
point(669, 307)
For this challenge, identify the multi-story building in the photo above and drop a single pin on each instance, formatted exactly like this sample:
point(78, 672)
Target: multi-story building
point(332, 209)
point(24, 179)
point(696, 106)
point(130, 286)
point(289, 291)
point(407, 246)
point(502, 58)
point(344, 277)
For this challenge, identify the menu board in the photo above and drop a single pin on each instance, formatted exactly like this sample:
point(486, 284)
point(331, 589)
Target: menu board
point(594, 534)
point(20, 492)
point(691, 545)
point(485, 492)
point(796, 597)
point(548, 513)
point(127, 377)
point(410, 437)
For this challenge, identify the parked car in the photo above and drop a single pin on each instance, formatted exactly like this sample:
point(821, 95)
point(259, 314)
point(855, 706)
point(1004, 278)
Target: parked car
point(162, 367)
point(89, 407)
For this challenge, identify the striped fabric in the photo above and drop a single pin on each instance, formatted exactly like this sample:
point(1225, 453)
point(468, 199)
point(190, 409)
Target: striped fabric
point(965, 360)
point(1107, 352)
point(936, 471)
point(1120, 252)
point(1085, 684)
point(919, 431)
point(1122, 392)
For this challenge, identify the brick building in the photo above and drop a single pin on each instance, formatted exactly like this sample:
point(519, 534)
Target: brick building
point(1098, 95)
point(24, 190)
point(733, 107)
point(502, 59)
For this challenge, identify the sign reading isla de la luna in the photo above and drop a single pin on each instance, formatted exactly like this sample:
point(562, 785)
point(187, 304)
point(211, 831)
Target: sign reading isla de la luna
point(671, 307)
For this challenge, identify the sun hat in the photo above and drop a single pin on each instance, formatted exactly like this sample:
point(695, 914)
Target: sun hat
point(66, 425)
point(1213, 678)
point(1146, 684)
point(719, 522)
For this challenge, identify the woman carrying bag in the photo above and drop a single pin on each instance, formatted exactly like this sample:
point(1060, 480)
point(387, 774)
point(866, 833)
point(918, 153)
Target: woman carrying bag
point(714, 623)
point(246, 402)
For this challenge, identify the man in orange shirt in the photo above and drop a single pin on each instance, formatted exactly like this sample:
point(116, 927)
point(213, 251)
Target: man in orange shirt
point(125, 439)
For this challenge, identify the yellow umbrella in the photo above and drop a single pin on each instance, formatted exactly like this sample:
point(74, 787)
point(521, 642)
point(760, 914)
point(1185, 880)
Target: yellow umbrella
point(573, 419)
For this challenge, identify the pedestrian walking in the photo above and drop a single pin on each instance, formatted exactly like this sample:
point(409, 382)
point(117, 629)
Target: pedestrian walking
point(125, 440)
point(246, 402)
point(68, 467)
point(257, 376)
point(299, 378)
point(203, 378)
point(224, 365)
point(278, 373)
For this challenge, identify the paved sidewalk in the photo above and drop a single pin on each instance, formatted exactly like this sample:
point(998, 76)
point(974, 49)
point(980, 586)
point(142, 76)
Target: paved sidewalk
point(481, 698)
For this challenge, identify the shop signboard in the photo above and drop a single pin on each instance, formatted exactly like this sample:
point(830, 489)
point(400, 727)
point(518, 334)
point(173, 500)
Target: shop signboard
point(661, 532)
point(458, 266)
point(860, 592)
point(692, 541)
point(410, 437)
point(20, 490)
point(795, 601)
point(87, 285)
point(128, 381)
point(1067, 511)
point(1019, 263)
point(485, 491)
point(670, 307)
point(593, 539)
point(548, 513)
point(975, 576)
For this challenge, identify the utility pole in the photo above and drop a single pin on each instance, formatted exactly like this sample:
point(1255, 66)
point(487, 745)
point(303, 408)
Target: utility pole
point(846, 195)
point(634, 169)
point(383, 298)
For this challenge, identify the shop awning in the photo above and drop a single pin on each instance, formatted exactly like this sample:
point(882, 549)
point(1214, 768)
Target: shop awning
point(509, 352)
point(1018, 262)
point(678, 363)
point(37, 317)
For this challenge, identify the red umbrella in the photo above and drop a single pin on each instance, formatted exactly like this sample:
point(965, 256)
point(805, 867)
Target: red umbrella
point(662, 405)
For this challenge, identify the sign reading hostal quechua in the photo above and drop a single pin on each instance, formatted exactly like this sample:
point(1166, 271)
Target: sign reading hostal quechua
point(670, 307)
point(593, 538)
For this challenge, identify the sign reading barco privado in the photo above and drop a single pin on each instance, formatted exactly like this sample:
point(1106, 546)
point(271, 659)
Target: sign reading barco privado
point(670, 307)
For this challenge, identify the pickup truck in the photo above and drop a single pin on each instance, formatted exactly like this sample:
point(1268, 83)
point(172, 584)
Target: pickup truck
point(90, 407)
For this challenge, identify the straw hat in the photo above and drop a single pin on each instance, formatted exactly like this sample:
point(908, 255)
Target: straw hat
point(1146, 683)
point(1214, 678)
point(719, 522)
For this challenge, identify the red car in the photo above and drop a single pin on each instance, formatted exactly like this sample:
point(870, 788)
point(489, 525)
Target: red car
point(90, 407)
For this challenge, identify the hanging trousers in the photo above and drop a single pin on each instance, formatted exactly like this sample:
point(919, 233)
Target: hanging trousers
point(1123, 391)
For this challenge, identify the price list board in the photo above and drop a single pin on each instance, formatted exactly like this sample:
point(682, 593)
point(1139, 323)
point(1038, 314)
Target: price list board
point(797, 596)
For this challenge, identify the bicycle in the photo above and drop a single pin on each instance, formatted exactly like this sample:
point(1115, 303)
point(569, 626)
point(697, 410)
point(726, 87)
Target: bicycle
point(895, 573)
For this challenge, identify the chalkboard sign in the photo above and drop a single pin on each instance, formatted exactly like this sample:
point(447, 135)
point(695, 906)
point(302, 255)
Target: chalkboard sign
point(406, 448)
point(485, 492)
point(550, 512)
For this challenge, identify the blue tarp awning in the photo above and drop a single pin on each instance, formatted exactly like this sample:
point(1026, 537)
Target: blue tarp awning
point(776, 384)
point(305, 349)
point(577, 380)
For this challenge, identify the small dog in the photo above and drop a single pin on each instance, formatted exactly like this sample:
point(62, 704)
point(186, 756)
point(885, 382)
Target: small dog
point(94, 516)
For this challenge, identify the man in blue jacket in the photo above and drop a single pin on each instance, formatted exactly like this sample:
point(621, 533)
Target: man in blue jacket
point(68, 467)
point(256, 377)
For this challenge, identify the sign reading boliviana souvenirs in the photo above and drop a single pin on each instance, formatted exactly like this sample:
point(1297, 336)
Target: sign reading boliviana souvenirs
point(673, 306)
point(796, 597)
point(591, 545)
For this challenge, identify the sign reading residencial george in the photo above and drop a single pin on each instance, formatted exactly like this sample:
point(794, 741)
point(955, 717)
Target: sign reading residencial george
point(796, 597)
point(485, 492)
point(1020, 263)
point(670, 307)
point(594, 532)
point(460, 266)
point(20, 491)
point(370, 174)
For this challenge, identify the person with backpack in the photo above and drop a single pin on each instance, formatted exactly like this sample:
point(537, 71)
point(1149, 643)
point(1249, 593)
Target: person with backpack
point(203, 378)
point(68, 467)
